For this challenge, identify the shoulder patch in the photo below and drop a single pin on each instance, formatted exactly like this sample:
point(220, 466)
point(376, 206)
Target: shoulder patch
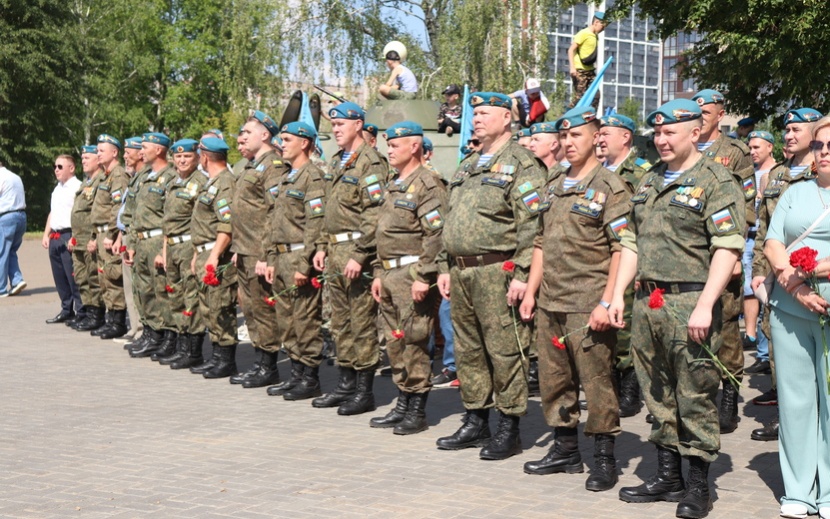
point(724, 222)
point(316, 206)
point(618, 226)
point(642, 163)
point(371, 179)
point(433, 219)
point(532, 201)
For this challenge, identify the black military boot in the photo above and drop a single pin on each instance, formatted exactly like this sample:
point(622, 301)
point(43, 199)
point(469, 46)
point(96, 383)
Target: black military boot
point(200, 369)
point(182, 341)
point(118, 325)
point(96, 332)
point(768, 432)
point(225, 364)
point(242, 376)
point(79, 316)
point(94, 320)
point(415, 420)
point(168, 345)
point(630, 403)
point(696, 503)
point(267, 374)
point(666, 485)
point(474, 432)
point(308, 387)
point(193, 352)
point(395, 416)
point(152, 344)
point(297, 370)
point(363, 399)
point(138, 343)
point(563, 456)
point(506, 442)
point(728, 412)
point(533, 379)
point(346, 386)
point(604, 475)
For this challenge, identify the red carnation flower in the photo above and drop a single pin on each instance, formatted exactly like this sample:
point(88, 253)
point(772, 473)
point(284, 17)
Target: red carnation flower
point(210, 279)
point(397, 334)
point(655, 300)
point(123, 248)
point(508, 266)
point(73, 241)
point(187, 313)
point(804, 258)
point(315, 282)
point(270, 301)
point(169, 289)
point(210, 268)
point(100, 271)
point(557, 343)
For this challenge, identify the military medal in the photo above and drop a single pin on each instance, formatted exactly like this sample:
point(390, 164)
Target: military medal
point(681, 195)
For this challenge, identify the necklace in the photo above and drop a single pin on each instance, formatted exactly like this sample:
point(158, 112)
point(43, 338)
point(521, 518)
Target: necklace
point(820, 196)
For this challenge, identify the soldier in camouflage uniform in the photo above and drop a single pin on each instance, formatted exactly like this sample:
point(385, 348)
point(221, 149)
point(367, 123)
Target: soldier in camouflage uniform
point(85, 262)
point(615, 141)
point(293, 232)
point(354, 188)
point(182, 284)
point(146, 227)
point(253, 206)
point(685, 234)
point(495, 197)
point(576, 250)
point(105, 206)
point(544, 143)
point(734, 156)
point(210, 234)
point(408, 240)
point(798, 135)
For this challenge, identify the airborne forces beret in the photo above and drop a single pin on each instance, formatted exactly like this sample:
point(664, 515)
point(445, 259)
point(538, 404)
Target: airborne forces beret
point(404, 129)
point(184, 146)
point(676, 111)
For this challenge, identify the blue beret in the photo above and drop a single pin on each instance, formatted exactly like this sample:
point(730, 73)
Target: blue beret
point(746, 121)
point(300, 129)
point(800, 115)
point(524, 132)
point(217, 132)
point(133, 143)
point(676, 111)
point(89, 149)
point(404, 129)
point(109, 139)
point(576, 117)
point(347, 111)
point(546, 127)
point(266, 121)
point(371, 128)
point(157, 138)
point(705, 97)
point(213, 144)
point(184, 146)
point(427, 145)
point(599, 15)
point(618, 121)
point(760, 134)
point(276, 141)
point(491, 99)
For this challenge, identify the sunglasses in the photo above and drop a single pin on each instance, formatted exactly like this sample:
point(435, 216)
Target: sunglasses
point(58, 166)
point(475, 142)
point(819, 146)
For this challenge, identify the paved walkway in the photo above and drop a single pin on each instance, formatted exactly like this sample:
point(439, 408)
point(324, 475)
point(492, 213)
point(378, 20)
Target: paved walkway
point(88, 432)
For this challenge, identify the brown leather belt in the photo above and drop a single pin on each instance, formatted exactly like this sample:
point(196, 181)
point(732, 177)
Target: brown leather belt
point(671, 288)
point(465, 262)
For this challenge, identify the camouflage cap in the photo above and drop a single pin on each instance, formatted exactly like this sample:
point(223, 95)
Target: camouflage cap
point(157, 138)
point(802, 115)
point(618, 121)
point(708, 96)
point(299, 129)
point(347, 111)
point(184, 146)
point(109, 139)
point(576, 117)
point(266, 121)
point(404, 129)
point(675, 111)
point(760, 134)
point(491, 99)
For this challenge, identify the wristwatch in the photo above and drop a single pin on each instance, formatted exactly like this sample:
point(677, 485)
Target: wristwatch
point(605, 304)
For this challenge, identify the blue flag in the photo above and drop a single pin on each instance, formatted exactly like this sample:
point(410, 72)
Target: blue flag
point(466, 132)
point(305, 117)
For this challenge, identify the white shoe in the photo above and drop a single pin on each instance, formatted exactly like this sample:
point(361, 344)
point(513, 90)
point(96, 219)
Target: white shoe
point(824, 512)
point(794, 511)
point(18, 288)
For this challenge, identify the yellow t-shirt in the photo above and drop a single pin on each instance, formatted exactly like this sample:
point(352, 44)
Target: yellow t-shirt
point(586, 42)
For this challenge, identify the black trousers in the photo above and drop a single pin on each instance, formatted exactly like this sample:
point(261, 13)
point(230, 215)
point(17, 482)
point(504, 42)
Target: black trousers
point(61, 261)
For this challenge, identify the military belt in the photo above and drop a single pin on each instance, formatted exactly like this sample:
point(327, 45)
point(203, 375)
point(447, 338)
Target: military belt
point(205, 246)
point(465, 262)
point(173, 240)
point(344, 236)
point(145, 235)
point(102, 228)
point(400, 262)
point(283, 248)
point(672, 288)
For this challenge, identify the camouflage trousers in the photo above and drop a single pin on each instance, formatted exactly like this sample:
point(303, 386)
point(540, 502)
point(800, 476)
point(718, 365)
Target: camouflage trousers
point(110, 277)
point(678, 377)
point(260, 317)
point(408, 356)
point(622, 359)
point(581, 82)
point(85, 267)
point(129, 241)
point(218, 304)
point(731, 352)
point(149, 282)
point(184, 298)
point(490, 343)
point(353, 312)
point(298, 313)
point(588, 358)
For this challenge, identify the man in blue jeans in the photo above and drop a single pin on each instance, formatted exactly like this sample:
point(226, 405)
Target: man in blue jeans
point(12, 227)
point(447, 377)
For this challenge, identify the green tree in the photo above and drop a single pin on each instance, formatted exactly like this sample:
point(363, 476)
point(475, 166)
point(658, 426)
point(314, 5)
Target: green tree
point(632, 109)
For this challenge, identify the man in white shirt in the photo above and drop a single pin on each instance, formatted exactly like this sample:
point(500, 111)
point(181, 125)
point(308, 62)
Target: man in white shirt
point(57, 233)
point(12, 227)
